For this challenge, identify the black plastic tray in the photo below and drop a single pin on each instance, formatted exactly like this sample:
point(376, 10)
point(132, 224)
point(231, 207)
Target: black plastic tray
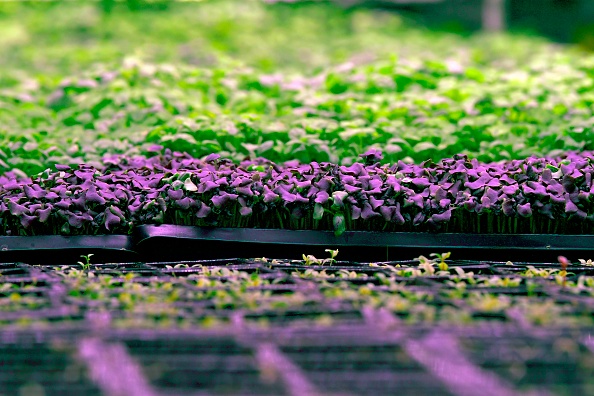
point(169, 242)
point(183, 242)
point(58, 249)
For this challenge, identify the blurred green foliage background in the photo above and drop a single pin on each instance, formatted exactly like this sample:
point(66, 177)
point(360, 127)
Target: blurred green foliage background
point(62, 37)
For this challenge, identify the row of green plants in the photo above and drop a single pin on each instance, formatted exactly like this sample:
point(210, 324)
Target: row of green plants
point(58, 39)
point(425, 290)
point(414, 109)
point(414, 94)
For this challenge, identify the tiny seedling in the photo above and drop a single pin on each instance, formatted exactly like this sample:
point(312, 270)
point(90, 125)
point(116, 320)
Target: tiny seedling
point(86, 265)
point(312, 260)
point(564, 263)
point(587, 263)
point(442, 258)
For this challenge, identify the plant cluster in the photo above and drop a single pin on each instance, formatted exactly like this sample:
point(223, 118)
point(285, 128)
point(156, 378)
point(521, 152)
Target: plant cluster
point(535, 195)
point(418, 95)
point(413, 110)
point(285, 293)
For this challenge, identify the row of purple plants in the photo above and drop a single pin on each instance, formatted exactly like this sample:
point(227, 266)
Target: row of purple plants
point(535, 195)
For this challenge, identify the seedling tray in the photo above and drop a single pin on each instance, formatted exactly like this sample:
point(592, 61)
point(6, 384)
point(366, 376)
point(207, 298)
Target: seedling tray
point(184, 242)
point(279, 326)
point(56, 249)
point(174, 243)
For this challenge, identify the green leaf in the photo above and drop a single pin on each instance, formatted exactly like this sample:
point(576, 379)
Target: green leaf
point(339, 224)
point(318, 211)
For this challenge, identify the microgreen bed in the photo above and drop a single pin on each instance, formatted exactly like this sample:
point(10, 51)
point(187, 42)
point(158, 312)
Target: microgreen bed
point(546, 195)
point(229, 115)
point(417, 95)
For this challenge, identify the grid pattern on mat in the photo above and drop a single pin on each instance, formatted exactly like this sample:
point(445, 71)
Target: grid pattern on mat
point(297, 327)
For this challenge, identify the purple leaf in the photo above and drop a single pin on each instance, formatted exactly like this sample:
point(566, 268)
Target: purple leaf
point(419, 218)
point(416, 200)
point(44, 214)
point(64, 204)
point(479, 183)
point(507, 180)
point(442, 217)
point(207, 186)
point(27, 221)
point(80, 202)
point(387, 212)
point(525, 210)
point(12, 185)
point(16, 209)
point(421, 182)
point(32, 193)
point(247, 191)
point(175, 194)
point(397, 217)
point(322, 197)
point(570, 207)
point(439, 193)
point(393, 182)
point(111, 220)
point(535, 188)
point(269, 196)
point(510, 190)
point(245, 211)
point(491, 194)
point(568, 183)
point(212, 157)
point(92, 197)
point(485, 203)
point(546, 175)
point(324, 184)
point(185, 203)
point(367, 212)
point(52, 196)
point(375, 203)
point(470, 204)
point(351, 189)
point(204, 211)
point(372, 156)
point(555, 188)
point(220, 200)
point(285, 195)
point(355, 212)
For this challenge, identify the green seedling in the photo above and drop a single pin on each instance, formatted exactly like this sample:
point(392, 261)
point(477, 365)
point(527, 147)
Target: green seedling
point(312, 260)
point(86, 265)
